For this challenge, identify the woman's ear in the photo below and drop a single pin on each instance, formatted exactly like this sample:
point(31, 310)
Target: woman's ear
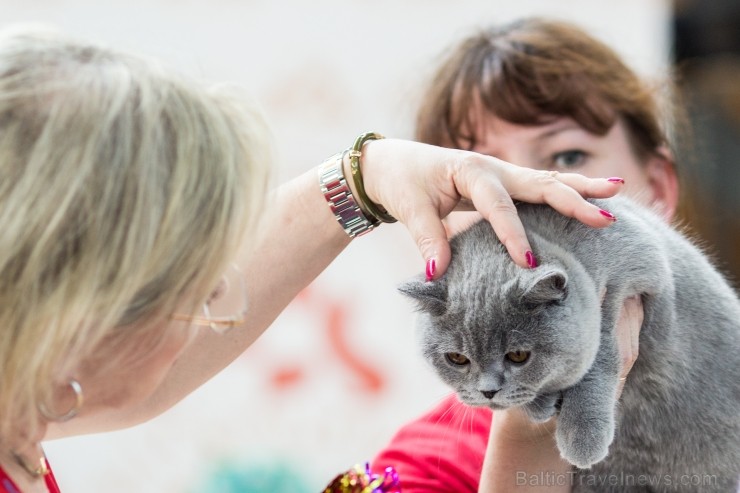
point(663, 182)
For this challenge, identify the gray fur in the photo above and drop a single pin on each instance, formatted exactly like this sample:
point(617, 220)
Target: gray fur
point(679, 413)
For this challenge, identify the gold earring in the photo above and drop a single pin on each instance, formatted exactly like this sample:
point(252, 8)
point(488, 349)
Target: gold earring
point(60, 418)
point(35, 472)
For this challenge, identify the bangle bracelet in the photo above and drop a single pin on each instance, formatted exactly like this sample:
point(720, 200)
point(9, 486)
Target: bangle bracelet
point(371, 209)
point(340, 199)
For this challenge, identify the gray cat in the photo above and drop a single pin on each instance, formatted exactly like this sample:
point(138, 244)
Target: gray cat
point(503, 336)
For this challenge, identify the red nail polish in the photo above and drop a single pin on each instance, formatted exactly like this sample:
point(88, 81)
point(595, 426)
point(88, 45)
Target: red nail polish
point(607, 214)
point(616, 179)
point(431, 268)
point(531, 260)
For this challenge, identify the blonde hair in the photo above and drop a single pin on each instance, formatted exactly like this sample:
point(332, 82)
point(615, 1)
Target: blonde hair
point(124, 189)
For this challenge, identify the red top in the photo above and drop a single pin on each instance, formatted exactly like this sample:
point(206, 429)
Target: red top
point(8, 486)
point(441, 451)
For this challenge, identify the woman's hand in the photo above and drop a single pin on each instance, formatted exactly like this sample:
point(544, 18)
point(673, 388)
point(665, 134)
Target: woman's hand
point(420, 184)
point(628, 336)
point(522, 455)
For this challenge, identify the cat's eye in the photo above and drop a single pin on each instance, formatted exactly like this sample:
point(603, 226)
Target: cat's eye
point(517, 356)
point(457, 359)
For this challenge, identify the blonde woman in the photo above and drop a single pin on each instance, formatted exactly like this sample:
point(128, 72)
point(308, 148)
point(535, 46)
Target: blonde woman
point(129, 205)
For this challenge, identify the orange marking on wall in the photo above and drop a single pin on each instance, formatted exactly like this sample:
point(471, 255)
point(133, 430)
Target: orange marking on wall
point(286, 377)
point(371, 379)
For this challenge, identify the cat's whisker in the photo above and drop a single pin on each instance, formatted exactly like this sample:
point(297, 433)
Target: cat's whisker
point(451, 410)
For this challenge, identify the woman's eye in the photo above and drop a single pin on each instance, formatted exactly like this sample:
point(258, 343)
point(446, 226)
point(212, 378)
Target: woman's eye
point(517, 356)
point(569, 159)
point(218, 291)
point(457, 359)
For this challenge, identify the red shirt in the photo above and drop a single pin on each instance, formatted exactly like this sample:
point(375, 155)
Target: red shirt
point(8, 486)
point(441, 451)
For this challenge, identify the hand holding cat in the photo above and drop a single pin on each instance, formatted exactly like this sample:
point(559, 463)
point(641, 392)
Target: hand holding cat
point(629, 324)
point(420, 184)
point(628, 336)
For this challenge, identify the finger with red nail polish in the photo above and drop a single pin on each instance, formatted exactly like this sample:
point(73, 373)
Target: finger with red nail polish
point(607, 214)
point(431, 268)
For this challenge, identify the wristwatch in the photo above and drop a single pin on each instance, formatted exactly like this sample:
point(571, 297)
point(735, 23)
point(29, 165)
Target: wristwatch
point(340, 199)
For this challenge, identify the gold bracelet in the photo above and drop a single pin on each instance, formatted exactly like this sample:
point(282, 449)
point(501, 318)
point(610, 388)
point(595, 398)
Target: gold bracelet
point(369, 208)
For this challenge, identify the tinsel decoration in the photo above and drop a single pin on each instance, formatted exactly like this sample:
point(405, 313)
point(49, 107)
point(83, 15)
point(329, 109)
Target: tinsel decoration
point(362, 480)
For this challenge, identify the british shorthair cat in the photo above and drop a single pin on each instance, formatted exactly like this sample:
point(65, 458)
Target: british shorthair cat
point(503, 336)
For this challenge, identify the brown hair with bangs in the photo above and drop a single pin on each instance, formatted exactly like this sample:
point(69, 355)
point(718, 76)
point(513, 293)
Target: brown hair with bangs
point(531, 71)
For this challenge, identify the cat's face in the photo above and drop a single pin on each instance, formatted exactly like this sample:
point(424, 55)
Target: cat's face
point(501, 335)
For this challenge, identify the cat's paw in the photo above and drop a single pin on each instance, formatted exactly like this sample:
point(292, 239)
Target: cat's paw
point(543, 407)
point(584, 440)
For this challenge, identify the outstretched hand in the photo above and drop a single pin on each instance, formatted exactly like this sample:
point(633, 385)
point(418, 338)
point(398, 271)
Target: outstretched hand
point(420, 184)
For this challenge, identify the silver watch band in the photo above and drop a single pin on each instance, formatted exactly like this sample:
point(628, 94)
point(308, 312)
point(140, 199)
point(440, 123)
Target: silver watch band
point(340, 199)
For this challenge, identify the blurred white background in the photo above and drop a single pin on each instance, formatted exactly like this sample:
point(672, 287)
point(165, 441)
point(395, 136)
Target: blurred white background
point(335, 376)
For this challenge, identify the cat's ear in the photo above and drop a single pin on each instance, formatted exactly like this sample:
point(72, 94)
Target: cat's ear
point(547, 286)
point(430, 296)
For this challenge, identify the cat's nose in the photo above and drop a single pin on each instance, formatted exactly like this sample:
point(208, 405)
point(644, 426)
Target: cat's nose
point(488, 394)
